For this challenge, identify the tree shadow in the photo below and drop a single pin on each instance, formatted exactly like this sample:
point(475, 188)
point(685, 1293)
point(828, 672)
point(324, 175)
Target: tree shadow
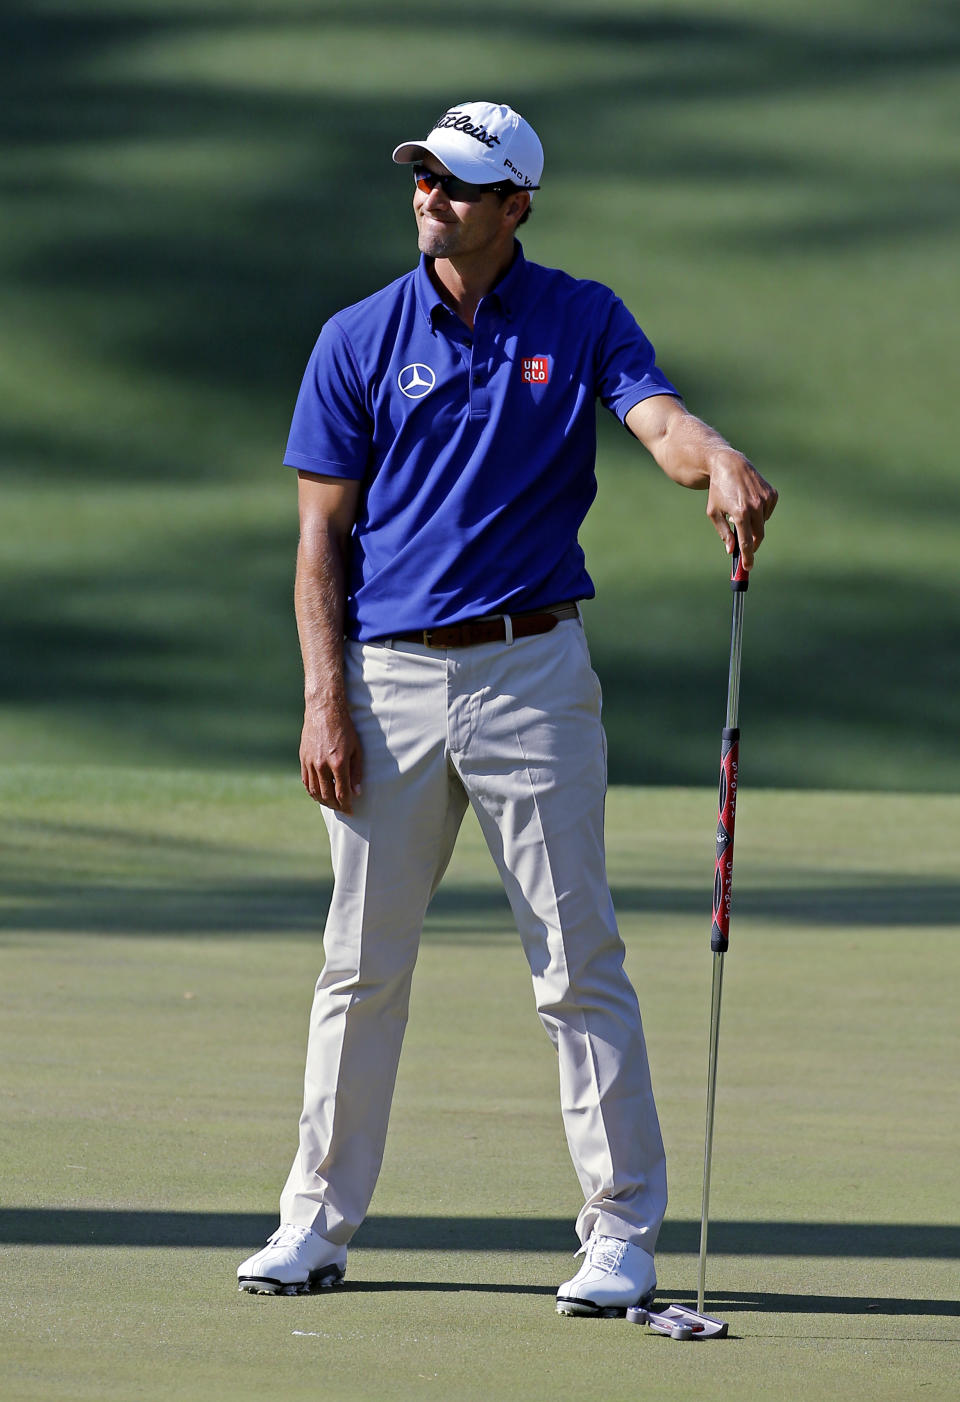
point(825, 696)
point(286, 907)
point(770, 1302)
point(35, 1226)
point(212, 291)
point(105, 1228)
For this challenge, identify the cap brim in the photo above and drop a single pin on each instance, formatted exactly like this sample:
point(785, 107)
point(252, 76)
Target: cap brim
point(479, 172)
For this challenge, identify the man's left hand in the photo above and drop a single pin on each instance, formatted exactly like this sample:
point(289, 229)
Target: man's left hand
point(696, 455)
point(739, 498)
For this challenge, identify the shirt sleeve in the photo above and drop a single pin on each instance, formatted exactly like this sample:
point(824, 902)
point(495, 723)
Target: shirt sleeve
point(331, 429)
point(626, 366)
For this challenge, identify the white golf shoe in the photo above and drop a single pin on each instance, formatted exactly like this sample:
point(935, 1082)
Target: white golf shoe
point(294, 1261)
point(615, 1276)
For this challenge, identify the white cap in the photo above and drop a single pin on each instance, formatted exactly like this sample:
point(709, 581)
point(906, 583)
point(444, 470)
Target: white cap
point(483, 142)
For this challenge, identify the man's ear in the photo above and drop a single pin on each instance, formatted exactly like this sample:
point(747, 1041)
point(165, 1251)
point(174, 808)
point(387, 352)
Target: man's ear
point(517, 204)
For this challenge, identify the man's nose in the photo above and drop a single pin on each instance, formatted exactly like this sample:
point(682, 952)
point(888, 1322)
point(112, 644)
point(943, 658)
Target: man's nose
point(437, 196)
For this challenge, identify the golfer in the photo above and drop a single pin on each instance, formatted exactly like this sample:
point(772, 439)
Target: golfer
point(445, 442)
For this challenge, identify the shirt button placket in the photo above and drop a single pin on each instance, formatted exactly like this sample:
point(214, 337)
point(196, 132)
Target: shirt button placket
point(479, 396)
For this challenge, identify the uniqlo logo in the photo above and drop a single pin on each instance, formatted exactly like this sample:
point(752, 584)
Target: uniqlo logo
point(535, 369)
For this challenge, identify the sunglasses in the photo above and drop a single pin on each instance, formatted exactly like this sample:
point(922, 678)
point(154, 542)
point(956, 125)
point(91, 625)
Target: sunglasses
point(456, 189)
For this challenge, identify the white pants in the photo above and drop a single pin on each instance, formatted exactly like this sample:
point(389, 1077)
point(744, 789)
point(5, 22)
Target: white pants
point(515, 730)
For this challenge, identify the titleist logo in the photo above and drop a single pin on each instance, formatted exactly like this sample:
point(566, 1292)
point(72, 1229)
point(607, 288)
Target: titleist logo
point(459, 121)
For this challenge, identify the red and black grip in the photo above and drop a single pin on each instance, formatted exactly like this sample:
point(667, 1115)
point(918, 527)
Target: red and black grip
point(739, 577)
point(723, 875)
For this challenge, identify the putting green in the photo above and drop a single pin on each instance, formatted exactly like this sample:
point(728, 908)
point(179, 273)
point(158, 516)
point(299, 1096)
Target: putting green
point(773, 190)
point(160, 943)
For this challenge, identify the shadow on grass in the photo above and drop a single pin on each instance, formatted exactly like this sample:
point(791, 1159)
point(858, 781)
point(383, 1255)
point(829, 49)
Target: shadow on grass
point(825, 695)
point(827, 702)
point(288, 907)
point(242, 1231)
point(729, 1302)
point(30, 1226)
point(765, 1302)
point(208, 288)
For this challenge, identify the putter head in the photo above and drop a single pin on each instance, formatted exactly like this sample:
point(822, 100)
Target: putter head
point(675, 1320)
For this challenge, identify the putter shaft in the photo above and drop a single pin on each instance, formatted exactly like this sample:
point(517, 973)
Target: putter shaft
point(724, 878)
point(716, 993)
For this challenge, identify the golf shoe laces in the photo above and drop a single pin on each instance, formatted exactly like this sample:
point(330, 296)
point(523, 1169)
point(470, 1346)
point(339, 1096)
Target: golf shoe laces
point(605, 1252)
point(289, 1235)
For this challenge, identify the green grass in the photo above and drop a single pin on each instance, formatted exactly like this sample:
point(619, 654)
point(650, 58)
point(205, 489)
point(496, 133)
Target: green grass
point(160, 941)
point(190, 189)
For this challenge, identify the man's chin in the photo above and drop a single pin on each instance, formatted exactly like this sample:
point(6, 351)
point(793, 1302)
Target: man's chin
point(436, 246)
point(436, 240)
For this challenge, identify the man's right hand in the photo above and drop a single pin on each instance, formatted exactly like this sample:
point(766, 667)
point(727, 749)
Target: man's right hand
point(331, 758)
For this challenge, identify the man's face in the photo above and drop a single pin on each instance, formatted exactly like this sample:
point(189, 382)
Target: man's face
point(450, 228)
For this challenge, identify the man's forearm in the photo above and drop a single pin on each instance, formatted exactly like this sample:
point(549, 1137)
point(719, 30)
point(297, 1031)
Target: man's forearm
point(695, 455)
point(319, 598)
point(689, 451)
point(331, 760)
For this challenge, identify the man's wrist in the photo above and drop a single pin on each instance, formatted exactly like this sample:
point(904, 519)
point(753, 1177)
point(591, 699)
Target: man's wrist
point(326, 697)
point(722, 459)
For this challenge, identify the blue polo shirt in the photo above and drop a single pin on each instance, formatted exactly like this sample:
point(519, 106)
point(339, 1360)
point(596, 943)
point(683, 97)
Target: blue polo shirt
point(476, 450)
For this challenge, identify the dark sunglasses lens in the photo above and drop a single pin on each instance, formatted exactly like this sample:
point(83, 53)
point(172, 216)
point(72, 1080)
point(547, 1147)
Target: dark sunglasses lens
point(459, 189)
point(452, 186)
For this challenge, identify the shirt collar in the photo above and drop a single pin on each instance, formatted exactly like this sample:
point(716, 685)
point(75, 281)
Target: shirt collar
point(508, 290)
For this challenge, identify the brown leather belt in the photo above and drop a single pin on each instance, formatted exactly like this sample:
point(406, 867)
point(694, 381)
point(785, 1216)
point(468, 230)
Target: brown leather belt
point(474, 631)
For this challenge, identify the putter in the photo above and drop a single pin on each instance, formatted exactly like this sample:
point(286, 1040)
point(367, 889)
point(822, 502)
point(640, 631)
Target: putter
point(683, 1322)
point(679, 1322)
point(722, 883)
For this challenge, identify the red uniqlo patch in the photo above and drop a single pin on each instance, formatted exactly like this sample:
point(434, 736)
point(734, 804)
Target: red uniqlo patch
point(535, 369)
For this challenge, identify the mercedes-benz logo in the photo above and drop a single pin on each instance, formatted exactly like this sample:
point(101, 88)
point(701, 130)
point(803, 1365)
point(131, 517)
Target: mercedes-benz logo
point(416, 380)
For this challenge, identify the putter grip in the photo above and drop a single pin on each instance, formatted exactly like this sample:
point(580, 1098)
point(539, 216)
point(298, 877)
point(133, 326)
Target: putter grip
point(723, 876)
point(739, 577)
